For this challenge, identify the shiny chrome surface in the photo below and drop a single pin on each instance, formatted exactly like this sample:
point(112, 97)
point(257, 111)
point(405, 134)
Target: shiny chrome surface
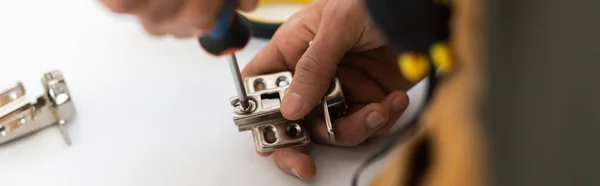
point(328, 121)
point(263, 118)
point(237, 80)
point(19, 117)
point(336, 101)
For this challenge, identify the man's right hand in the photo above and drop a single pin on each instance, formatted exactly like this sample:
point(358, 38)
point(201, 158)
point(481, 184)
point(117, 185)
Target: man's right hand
point(180, 18)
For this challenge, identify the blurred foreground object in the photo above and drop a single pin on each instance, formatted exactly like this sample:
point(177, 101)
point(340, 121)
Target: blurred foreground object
point(541, 111)
point(446, 145)
point(519, 106)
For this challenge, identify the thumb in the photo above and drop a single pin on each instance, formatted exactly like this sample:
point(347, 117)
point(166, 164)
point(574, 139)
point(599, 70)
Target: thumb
point(313, 74)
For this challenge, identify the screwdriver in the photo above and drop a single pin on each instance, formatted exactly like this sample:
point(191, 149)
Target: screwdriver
point(230, 35)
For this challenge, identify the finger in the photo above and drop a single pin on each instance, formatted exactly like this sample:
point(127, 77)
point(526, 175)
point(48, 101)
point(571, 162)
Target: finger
point(268, 60)
point(188, 32)
point(199, 14)
point(396, 103)
point(153, 29)
point(182, 33)
point(296, 162)
point(161, 12)
point(316, 67)
point(286, 46)
point(288, 43)
point(192, 20)
point(353, 129)
point(124, 6)
point(155, 13)
point(248, 5)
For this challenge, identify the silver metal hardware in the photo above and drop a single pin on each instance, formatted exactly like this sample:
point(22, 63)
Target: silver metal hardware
point(237, 81)
point(269, 128)
point(328, 122)
point(334, 101)
point(19, 117)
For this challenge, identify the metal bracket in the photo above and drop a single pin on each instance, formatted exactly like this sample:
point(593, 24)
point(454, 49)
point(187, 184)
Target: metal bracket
point(19, 117)
point(269, 128)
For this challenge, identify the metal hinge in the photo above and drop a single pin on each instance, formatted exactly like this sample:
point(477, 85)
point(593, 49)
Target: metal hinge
point(271, 131)
point(20, 117)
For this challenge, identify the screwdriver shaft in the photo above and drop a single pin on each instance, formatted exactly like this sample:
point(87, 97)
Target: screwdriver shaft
point(237, 80)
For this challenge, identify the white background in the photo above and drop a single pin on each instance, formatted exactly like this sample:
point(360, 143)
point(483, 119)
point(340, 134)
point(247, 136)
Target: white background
point(151, 111)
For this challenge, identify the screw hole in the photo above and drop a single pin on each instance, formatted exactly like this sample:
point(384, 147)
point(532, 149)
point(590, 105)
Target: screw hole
point(2, 131)
point(259, 85)
point(269, 134)
point(293, 130)
point(282, 81)
point(23, 120)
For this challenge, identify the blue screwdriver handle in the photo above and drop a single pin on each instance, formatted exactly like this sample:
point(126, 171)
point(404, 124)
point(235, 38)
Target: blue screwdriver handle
point(223, 21)
point(230, 34)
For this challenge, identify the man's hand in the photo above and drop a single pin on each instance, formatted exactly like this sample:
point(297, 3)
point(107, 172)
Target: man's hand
point(326, 37)
point(180, 18)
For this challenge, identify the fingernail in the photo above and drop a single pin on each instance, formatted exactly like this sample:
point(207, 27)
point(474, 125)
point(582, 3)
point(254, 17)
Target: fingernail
point(292, 103)
point(374, 120)
point(399, 103)
point(198, 33)
point(295, 172)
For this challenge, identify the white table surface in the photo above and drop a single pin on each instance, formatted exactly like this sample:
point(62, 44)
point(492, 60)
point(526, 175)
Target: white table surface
point(151, 111)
